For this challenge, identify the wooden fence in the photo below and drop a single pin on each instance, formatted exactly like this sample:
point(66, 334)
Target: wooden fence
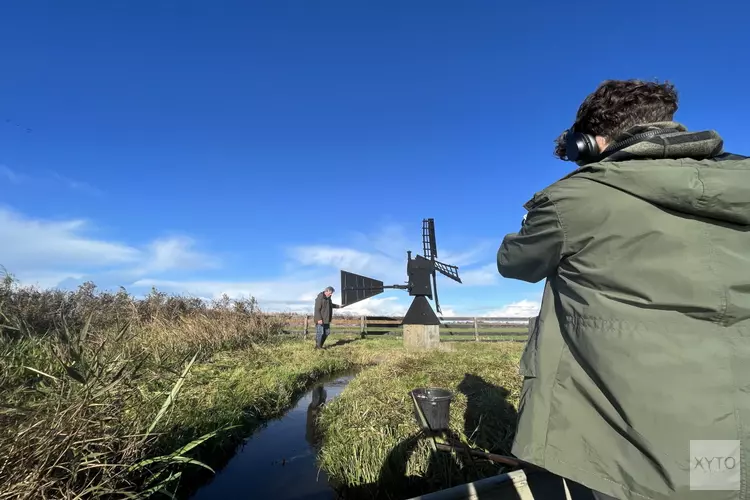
point(452, 327)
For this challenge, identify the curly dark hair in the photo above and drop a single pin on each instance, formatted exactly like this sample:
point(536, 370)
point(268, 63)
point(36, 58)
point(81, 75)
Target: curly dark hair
point(617, 105)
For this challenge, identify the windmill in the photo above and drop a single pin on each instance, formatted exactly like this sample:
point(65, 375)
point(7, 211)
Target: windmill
point(422, 283)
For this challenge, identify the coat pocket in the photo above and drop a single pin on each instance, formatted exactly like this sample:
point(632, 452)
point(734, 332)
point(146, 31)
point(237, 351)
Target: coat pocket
point(528, 363)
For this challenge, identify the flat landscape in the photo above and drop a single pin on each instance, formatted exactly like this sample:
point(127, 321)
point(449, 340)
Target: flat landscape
point(107, 395)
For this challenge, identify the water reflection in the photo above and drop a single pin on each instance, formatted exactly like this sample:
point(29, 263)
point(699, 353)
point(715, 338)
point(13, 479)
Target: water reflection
point(280, 460)
point(317, 400)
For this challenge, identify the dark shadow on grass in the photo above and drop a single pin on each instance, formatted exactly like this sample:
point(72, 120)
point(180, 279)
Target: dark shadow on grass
point(382, 332)
point(509, 339)
point(490, 419)
point(340, 342)
point(394, 482)
point(489, 422)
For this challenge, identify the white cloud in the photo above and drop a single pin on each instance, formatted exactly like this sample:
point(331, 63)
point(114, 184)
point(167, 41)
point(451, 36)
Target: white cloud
point(312, 267)
point(483, 276)
point(166, 254)
point(279, 292)
point(386, 306)
point(466, 258)
point(32, 242)
point(356, 261)
point(48, 252)
point(520, 309)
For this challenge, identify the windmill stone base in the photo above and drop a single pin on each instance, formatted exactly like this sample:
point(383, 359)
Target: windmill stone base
point(420, 337)
point(421, 325)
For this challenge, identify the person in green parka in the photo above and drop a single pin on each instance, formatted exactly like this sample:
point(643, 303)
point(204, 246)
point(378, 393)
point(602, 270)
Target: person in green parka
point(637, 371)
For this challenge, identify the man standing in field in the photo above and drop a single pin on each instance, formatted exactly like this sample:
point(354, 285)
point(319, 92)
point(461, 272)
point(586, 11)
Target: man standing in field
point(637, 374)
point(323, 315)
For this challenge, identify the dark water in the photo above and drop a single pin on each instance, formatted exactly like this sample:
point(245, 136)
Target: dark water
point(279, 460)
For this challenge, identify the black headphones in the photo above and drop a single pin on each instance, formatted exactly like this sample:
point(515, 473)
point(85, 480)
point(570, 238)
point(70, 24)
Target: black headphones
point(580, 147)
point(583, 148)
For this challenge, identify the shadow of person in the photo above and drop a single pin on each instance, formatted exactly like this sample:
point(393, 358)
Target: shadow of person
point(342, 342)
point(490, 422)
point(394, 481)
point(490, 419)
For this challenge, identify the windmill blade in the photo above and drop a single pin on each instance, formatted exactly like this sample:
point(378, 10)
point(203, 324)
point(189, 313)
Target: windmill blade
point(428, 239)
point(448, 270)
point(434, 291)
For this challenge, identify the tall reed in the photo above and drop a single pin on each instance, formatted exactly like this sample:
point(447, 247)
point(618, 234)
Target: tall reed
point(88, 380)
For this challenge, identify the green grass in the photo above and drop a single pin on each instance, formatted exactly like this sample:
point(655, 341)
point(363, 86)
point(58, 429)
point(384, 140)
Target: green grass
point(443, 329)
point(243, 386)
point(106, 395)
point(152, 405)
point(243, 389)
point(484, 338)
point(371, 446)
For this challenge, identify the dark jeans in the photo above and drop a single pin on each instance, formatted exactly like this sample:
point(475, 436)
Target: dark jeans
point(321, 333)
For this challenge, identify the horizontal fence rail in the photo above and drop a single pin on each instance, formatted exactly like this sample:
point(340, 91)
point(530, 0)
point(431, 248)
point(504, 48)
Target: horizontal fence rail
point(451, 327)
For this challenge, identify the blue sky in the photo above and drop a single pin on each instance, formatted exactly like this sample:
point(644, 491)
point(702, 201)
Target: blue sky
point(256, 148)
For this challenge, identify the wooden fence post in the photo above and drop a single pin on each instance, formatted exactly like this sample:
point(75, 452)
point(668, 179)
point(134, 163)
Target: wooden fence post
point(306, 318)
point(476, 330)
point(362, 327)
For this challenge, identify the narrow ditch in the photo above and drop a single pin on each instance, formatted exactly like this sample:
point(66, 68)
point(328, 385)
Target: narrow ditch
point(279, 460)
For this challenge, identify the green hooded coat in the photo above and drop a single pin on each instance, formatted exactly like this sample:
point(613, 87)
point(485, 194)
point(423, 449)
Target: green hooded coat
point(642, 343)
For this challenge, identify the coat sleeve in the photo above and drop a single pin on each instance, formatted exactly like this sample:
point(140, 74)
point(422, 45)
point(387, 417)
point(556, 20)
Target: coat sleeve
point(534, 252)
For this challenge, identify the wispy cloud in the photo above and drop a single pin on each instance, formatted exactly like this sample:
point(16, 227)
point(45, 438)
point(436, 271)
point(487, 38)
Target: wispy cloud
point(279, 295)
point(48, 177)
point(11, 175)
point(309, 268)
point(77, 185)
point(177, 252)
point(51, 252)
point(48, 252)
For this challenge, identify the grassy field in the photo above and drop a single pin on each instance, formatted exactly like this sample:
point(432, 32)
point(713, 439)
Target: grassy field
point(102, 394)
point(372, 447)
point(105, 395)
point(444, 329)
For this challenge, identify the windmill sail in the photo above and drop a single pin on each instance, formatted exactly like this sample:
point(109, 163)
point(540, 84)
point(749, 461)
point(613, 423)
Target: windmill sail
point(355, 288)
point(429, 244)
point(447, 270)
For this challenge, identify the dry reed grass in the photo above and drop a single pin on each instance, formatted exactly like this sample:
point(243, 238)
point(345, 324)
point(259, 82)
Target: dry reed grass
point(88, 381)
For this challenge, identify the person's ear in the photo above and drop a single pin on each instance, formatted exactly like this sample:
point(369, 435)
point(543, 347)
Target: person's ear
point(602, 142)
